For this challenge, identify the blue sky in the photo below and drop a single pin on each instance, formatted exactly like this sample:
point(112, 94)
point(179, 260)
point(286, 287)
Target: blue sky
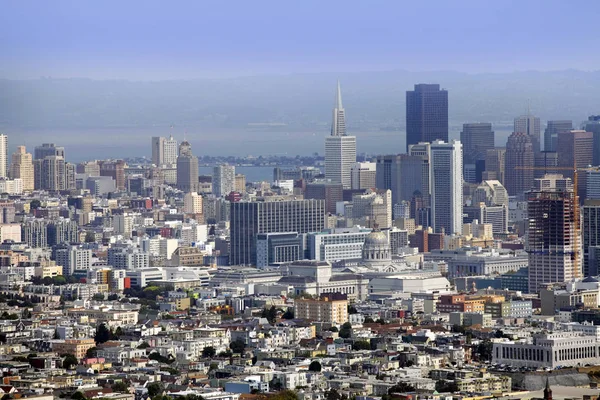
point(193, 39)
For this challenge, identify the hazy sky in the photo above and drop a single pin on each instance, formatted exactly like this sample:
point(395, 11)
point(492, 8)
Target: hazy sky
point(190, 39)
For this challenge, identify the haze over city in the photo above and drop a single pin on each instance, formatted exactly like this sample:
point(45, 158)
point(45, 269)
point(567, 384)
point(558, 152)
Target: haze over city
point(266, 74)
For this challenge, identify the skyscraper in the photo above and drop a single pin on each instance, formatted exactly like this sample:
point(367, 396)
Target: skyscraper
point(593, 125)
point(426, 114)
point(50, 173)
point(402, 174)
point(477, 139)
point(248, 219)
point(575, 150)
point(3, 156)
point(48, 149)
point(553, 237)
point(340, 149)
point(529, 125)
point(518, 176)
point(223, 180)
point(158, 149)
point(551, 133)
point(363, 175)
point(164, 151)
point(446, 184)
point(22, 168)
point(170, 151)
point(187, 169)
point(591, 235)
point(495, 163)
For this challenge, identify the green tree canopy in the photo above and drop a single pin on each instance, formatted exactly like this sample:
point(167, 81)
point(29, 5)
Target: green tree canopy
point(103, 334)
point(315, 366)
point(208, 352)
point(69, 361)
point(237, 346)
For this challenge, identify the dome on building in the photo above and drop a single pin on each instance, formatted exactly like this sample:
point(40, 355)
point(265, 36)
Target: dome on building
point(376, 248)
point(375, 240)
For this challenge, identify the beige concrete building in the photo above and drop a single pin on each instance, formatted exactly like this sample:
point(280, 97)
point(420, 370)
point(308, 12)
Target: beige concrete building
point(331, 308)
point(22, 168)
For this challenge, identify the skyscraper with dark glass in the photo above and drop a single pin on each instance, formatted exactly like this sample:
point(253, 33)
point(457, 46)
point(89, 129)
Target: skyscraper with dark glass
point(426, 114)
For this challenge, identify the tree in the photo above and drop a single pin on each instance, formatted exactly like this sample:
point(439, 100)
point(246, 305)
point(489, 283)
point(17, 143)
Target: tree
point(361, 345)
point(154, 388)
point(208, 352)
point(78, 396)
point(34, 204)
point(90, 237)
point(289, 314)
point(120, 387)
point(381, 321)
point(102, 334)
point(369, 320)
point(269, 314)
point(446, 387)
point(332, 395)
point(401, 387)
point(237, 346)
point(98, 297)
point(484, 350)
point(69, 360)
point(346, 330)
point(334, 329)
point(56, 335)
point(352, 310)
point(118, 332)
point(315, 366)
point(143, 345)
point(91, 352)
point(26, 314)
point(113, 297)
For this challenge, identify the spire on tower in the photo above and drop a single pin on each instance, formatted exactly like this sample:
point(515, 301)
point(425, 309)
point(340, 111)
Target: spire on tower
point(338, 97)
point(338, 125)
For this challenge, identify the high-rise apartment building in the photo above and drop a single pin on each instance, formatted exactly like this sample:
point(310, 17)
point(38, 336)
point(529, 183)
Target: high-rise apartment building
point(518, 176)
point(3, 156)
point(331, 308)
point(423, 150)
point(529, 125)
point(192, 203)
point(446, 186)
point(553, 238)
point(48, 149)
point(340, 149)
point(426, 114)
point(50, 173)
point(164, 151)
point(248, 219)
point(187, 169)
point(593, 125)
point(22, 168)
point(551, 133)
point(362, 175)
point(591, 235)
point(170, 151)
point(477, 139)
point(223, 180)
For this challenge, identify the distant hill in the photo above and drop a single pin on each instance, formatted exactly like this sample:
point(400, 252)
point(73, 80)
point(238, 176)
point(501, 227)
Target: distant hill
point(373, 100)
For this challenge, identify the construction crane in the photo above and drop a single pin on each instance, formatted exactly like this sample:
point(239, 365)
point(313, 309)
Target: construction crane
point(576, 211)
